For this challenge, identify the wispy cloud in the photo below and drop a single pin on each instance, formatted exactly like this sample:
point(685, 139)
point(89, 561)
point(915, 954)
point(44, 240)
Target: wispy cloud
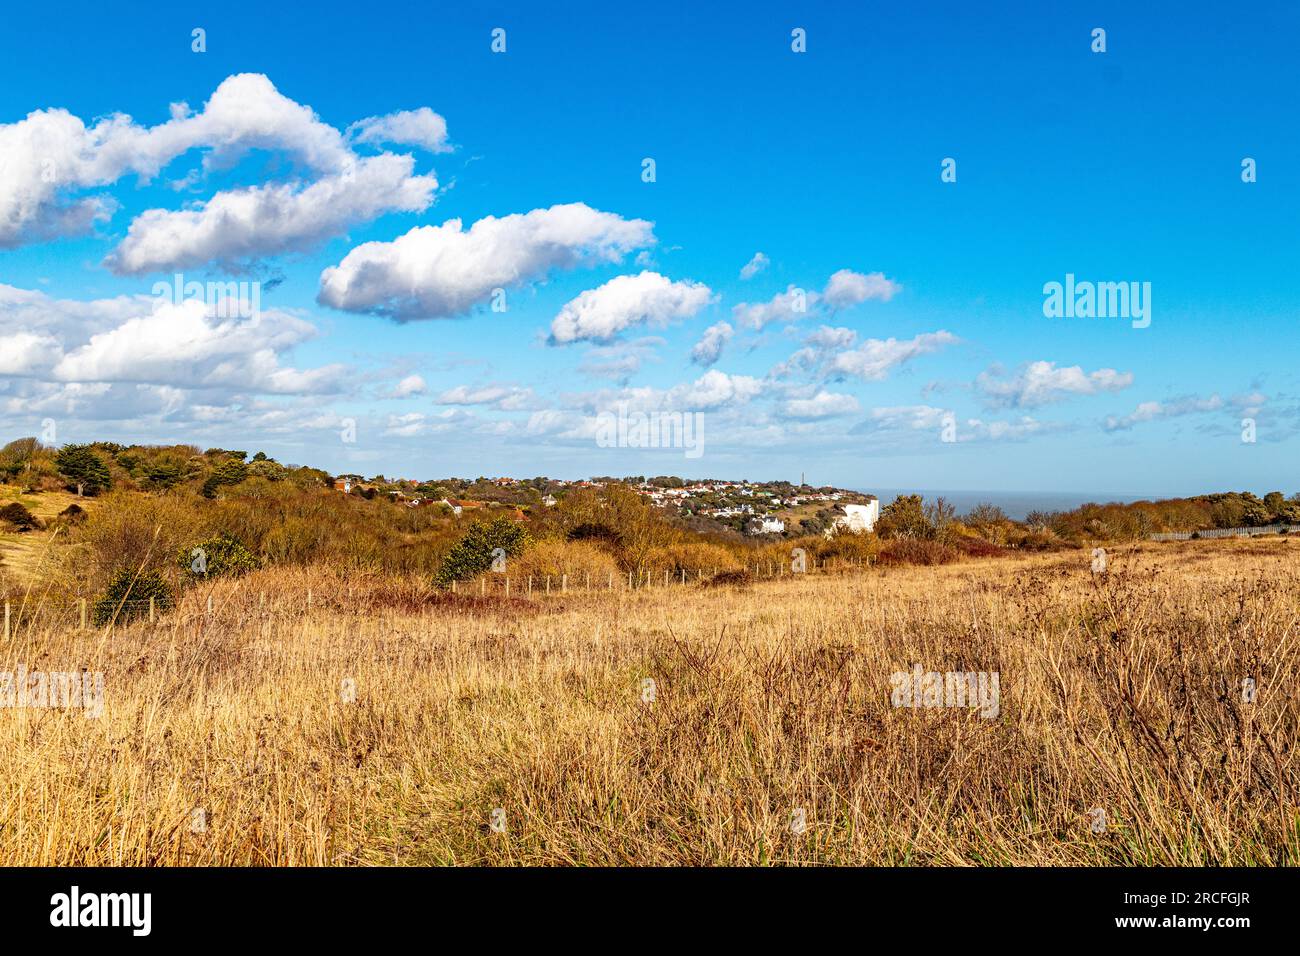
point(1041, 383)
point(1157, 411)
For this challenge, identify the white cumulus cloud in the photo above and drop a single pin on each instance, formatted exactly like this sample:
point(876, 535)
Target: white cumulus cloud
point(139, 340)
point(713, 389)
point(261, 220)
point(53, 168)
point(627, 301)
point(708, 349)
point(409, 387)
point(875, 358)
point(435, 272)
point(822, 405)
point(847, 288)
point(1039, 383)
point(788, 306)
point(422, 127)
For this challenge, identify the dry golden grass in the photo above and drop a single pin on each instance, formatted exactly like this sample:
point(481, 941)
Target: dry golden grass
point(21, 554)
point(1120, 693)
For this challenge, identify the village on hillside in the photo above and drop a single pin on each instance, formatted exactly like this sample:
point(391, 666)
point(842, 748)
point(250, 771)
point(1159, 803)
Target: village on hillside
point(745, 507)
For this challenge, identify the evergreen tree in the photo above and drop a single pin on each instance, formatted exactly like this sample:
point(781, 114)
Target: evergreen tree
point(81, 467)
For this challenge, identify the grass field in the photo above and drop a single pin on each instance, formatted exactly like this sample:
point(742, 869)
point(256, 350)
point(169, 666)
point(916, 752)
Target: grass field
point(21, 554)
point(1119, 693)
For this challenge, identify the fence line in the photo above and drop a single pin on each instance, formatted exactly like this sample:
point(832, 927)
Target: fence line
point(1225, 532)
point(20, 611)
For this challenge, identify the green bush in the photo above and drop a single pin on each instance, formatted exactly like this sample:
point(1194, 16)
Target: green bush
point(905, 518)
point(229, 472)
point(132, 594)
point(83, 469)
point(472, 554)
point(221, 556)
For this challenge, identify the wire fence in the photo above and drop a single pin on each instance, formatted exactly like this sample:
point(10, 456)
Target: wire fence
point(507, 585)
point(26, 610)
point(1225, 532)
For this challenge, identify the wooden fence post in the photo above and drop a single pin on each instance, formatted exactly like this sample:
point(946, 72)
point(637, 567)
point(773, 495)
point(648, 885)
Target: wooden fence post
point(564, 583)
point(453, 585)
point(81, 606)
point(530, 585)
point(482, 586)
point(507, 587)
point(611, 581)
point(6, 622)
point(151, 608)
point(548, 584)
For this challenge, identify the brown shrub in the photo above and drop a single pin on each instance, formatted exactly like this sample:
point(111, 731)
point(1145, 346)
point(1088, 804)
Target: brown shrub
point(73, 514)
point(1040, 540)
point(736, 578)
point(917, 551)
point(128, 531)
point(848, 547)
point(693, 557)
point(975, 548)
point(555, 558)
point(14, 515)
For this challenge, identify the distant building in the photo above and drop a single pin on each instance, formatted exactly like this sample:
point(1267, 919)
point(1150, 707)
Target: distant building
point(549, 501)
point(859, 518)
point(766, 525)
point(344, 485)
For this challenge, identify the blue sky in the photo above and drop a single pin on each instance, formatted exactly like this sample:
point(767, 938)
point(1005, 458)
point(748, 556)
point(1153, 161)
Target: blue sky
point(1117, 166)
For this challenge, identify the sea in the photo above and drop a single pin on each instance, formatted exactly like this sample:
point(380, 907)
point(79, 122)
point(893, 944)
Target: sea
point(1016, 504)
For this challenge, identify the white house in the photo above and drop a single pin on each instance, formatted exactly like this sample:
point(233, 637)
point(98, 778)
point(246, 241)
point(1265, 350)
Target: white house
point(549, 501)
point(859, 518)
point(766, 525)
